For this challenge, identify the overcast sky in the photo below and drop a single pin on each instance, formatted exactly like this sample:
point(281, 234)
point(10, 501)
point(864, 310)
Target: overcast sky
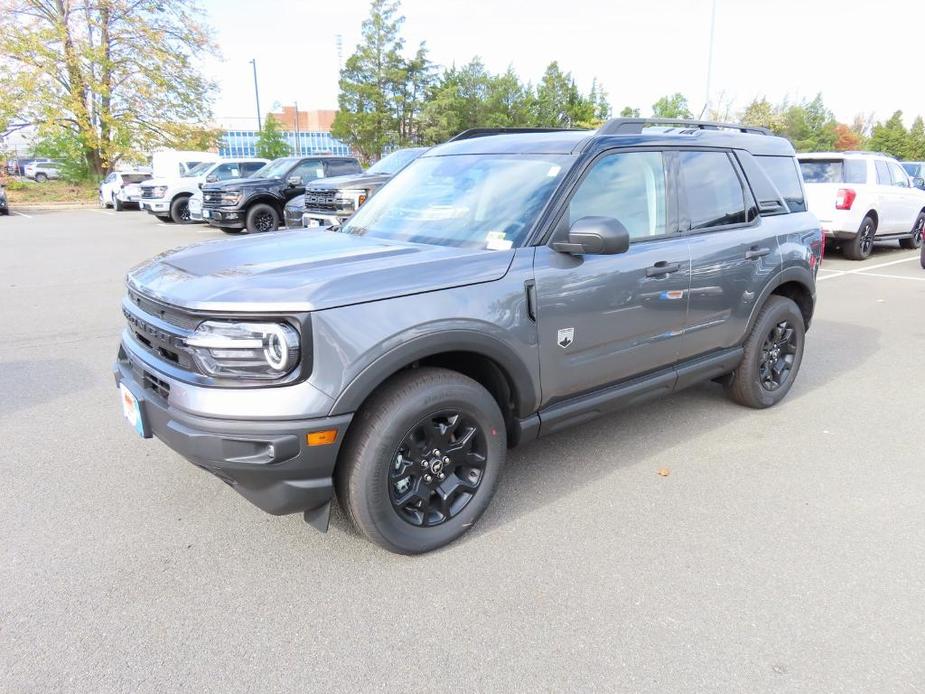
point(863, 56)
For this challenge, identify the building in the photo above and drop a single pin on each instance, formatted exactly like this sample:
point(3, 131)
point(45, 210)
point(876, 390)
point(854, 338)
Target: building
point(243, 143)
point(291, 119)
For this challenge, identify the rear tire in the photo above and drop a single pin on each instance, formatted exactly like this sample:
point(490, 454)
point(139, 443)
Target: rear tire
point(117, 204)
point(179, 210)
point(772, 358)
point(421, 424)
point(262, 217)
point(165, 220)
point(915, 241)
point(40, 178)
point(860, 247)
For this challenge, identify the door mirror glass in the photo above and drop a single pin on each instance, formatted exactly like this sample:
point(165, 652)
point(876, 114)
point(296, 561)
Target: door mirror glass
point(596, 236)
point(212, 178)
point(919, 182)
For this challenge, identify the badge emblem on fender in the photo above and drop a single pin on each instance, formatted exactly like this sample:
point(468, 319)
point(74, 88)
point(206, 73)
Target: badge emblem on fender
point(566, 337)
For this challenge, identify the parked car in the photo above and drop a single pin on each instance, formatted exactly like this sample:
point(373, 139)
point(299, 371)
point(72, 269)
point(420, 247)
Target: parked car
point(168, 198)
point(121, 188)
point(195, 206)
point(17, 165)
point(42, 170)
point(501, 287)
point(256, 204)
point(4, 204)
point(331, 201)
point(916, 171)
point(293, 211)
point(863, 197)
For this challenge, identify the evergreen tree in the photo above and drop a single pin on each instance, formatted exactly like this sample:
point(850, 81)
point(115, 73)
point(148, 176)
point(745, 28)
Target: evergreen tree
point(890, 137)
point(673, 106)
point(629, 112)
point(270, 143)
point(915, 147)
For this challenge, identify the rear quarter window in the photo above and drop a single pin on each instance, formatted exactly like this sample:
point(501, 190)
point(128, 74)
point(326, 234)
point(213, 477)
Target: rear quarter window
point(343, 167)
point(784, 174)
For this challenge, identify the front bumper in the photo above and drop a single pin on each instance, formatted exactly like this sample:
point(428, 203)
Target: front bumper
point(323, 218)
point(159, 206)
point(268, 462)
point(222, 217)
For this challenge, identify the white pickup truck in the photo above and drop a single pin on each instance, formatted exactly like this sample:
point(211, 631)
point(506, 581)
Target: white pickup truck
point(168, 198)
point(862, 197)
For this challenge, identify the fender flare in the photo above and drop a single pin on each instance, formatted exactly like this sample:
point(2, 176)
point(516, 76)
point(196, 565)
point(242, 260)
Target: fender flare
point(524, 385)
point(264, 197)
point(795, 273)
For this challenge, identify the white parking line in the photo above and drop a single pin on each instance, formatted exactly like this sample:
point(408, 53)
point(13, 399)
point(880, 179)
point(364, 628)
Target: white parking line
point(892, 277)
point(841, 273)
point(27, 216)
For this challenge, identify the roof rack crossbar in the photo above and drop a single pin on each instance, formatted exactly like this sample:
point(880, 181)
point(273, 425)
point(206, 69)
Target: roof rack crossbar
point(485, 132)
point(634, 126)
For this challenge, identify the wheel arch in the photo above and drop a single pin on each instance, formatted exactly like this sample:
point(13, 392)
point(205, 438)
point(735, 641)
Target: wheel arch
point(872, 213)
point(483, 358)
point(268, 199)
point(795, 283)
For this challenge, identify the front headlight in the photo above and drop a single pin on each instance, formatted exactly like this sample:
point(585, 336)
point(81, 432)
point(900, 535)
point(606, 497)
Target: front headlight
point(231, 197)
point(352, 199)
point(159, 191)
point(245, 350)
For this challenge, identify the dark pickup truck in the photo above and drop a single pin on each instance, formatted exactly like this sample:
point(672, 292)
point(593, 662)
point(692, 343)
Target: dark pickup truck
point(256, 204)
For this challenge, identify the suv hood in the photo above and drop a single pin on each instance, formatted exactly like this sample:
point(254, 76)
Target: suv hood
point(349, 181)
point(309, 270)
point(241, 183)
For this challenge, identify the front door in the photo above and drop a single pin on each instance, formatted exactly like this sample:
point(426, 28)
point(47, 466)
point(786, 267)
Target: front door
point(605, 318)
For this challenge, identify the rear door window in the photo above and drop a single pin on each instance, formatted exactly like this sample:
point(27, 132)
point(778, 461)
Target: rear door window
point(784, 174)
point(713, 191)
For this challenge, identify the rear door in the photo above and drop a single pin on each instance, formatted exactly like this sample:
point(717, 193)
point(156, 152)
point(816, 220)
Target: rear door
point(734, 253)
point(908, 199)
point(604, 318)
point(890, 207)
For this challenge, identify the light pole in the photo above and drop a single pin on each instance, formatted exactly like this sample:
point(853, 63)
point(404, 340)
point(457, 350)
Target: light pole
point(253, 62)
point(706, 101)
point(298, 141)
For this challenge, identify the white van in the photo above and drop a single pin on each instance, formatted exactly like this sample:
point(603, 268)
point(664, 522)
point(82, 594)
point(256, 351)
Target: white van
point(171, 163)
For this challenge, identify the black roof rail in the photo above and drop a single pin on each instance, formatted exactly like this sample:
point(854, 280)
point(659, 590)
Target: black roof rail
point(634, 126)
point(485, 132)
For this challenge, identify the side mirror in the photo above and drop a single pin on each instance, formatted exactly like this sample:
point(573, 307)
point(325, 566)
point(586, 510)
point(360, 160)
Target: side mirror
point(595, 236)
point(211, 179)
point(294, 180)
point(919, 182)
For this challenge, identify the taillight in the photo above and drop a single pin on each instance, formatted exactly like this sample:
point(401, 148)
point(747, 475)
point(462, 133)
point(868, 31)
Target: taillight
point(844, 198)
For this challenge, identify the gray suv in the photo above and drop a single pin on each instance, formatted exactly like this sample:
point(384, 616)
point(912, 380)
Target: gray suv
point(502, 287)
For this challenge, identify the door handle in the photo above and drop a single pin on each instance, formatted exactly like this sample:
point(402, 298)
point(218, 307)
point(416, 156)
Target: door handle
point(753, 253)
point(662, 267)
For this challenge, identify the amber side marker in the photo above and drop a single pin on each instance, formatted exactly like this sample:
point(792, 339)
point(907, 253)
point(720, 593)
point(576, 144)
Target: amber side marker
point(321, 438)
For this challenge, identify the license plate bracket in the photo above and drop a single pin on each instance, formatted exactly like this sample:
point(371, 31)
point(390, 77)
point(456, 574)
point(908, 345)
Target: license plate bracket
point(133, 411)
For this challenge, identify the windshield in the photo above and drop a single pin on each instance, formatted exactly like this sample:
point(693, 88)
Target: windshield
point(276, 168)
point(135, 178)
point(472, 200)
point(912, 167)
point(396, 161)
point(199, 169)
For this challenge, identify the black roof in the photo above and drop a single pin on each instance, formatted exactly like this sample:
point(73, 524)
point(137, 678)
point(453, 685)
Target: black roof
point(618, 132)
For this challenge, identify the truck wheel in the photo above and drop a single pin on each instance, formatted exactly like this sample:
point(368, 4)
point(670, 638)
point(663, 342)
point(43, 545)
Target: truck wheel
point(773, 353)
point(117, 204)
point(862, 244)
point(916, 240)
point(40, 178)
point(262, 217)
point(422, 459)
point(179, 210)
point(165, 220)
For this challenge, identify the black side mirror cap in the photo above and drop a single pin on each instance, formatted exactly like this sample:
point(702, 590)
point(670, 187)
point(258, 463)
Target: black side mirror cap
point(595, 236)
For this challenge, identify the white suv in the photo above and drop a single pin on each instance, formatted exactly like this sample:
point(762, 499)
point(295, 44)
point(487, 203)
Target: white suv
point(860, 197)
point(168, 198)
point(121, 188)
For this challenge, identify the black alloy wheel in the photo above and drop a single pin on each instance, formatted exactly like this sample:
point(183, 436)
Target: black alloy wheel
point(866, 243)
point(437, 468)
point(915, 241)
point(263, 221)
point(777, 356)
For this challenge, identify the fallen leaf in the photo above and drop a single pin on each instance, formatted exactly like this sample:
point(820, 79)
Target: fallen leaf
point(664, 472)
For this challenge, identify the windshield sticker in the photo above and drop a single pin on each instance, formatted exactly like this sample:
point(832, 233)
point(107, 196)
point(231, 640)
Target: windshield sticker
point(497, 241)
point(553, 171)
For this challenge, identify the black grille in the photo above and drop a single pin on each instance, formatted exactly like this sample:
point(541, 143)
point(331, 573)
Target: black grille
point(160, 329)
point(148, 192)
point(155, 384)
point(212, 198)
point(321, 200)
point(166, 313)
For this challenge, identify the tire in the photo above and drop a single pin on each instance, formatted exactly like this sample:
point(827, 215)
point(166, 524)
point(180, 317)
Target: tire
point(40, 178)
point(860, 247)
point(779, 323)
point(915, 241)
point(262, 217)
point(179, 210)
point(117, 204)
point(410, 404)
point(230, 230)
point(921, 257)
point(165, 220)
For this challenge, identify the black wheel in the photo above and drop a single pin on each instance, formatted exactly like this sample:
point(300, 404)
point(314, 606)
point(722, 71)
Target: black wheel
point(262, 217)
point(421, 460)
point(916, 240)
point(117, 204)
point(862, 244)
point(230, 230)
point(40, 178)
point(165, 220)
point(179, 210)
point(773, 353)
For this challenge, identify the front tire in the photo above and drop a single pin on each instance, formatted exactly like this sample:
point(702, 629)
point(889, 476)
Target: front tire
point(179, 210)
point(165, 220)
point(772, 357)
point(40, 178)
point(860, 247)
point(421, 460)
point(915, 241)
point(117, 204)
point(262, 217)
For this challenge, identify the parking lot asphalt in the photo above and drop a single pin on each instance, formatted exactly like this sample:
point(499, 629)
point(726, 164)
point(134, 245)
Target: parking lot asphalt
point(779, 551)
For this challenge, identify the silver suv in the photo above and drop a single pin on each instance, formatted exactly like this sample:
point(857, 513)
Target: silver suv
point(502, 287)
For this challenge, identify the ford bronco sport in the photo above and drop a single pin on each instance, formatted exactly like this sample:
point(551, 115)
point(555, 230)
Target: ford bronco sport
point(500, 288)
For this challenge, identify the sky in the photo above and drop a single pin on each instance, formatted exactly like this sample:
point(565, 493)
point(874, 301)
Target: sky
point(865, 57)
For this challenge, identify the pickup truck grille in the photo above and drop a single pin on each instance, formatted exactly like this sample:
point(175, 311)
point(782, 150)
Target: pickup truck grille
point(211, 198)
point(325, 200)
point(147, 192)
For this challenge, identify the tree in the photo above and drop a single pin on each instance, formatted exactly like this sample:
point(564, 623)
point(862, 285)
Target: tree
point(412, 94)
point(810, 126)
point(846, 138)
point(270, 143)
point(373, 90)
point(559, 104)
point(915, 148)
point(116, 77)
point(760, 112)
point(890, 137)
point(673, 106)
point(629, 112)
